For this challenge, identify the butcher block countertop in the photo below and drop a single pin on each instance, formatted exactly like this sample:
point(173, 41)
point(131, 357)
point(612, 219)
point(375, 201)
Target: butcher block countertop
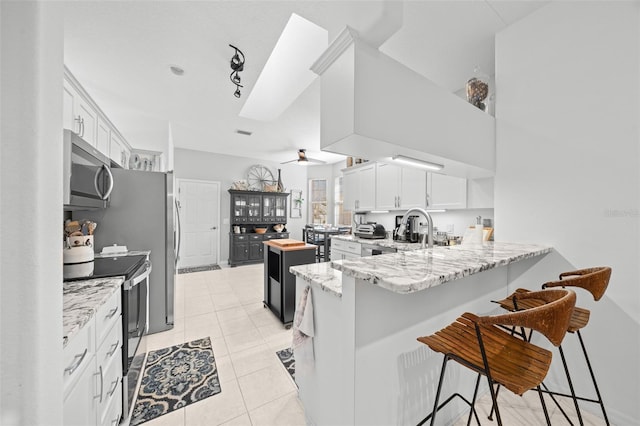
point(287, 244)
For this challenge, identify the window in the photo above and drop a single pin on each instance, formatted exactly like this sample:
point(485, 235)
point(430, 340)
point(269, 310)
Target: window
point(342, 216)
point(318, 204)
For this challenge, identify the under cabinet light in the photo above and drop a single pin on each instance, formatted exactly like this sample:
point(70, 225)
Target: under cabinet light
point(416, 162)
point(379, 211)
point(436, 210)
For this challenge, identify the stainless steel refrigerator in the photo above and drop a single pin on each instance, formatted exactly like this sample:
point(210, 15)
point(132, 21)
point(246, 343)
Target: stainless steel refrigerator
point(142, 215)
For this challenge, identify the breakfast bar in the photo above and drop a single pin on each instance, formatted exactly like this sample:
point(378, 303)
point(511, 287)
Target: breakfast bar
point(367, 367)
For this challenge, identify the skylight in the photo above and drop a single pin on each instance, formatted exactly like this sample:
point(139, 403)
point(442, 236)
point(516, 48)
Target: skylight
point(286, 74)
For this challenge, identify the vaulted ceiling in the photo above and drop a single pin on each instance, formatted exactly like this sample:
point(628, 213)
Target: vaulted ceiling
point(121, 53)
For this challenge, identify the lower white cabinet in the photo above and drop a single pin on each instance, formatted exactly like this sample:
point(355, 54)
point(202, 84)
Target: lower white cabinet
point(341, 249)
point(93, 369)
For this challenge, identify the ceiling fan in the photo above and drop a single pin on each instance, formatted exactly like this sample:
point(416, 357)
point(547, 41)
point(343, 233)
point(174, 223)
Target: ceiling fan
point(304, 160)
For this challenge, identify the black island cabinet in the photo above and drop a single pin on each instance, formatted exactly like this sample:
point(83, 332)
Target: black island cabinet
point(279, 283)
point(251, 210)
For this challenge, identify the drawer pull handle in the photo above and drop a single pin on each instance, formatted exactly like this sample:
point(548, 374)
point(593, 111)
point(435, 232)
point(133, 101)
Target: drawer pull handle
point(113, 349)
point(112, 313)
point(101, 384)
point(77, 360)
point(113, 389)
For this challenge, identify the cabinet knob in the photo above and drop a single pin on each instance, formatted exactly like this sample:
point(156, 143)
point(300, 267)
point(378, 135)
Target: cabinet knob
point(213, 228)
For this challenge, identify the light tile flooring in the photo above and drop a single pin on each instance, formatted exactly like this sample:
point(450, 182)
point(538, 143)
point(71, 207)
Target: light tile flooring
point(226, 305)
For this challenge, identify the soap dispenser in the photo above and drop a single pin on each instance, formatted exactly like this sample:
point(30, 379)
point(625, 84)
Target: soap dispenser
point(479, 230)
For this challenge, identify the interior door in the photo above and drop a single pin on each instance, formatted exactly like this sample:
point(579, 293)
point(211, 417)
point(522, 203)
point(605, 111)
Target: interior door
point(199, 205)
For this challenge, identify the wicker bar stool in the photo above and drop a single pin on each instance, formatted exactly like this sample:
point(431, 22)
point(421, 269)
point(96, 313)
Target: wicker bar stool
point(482, 345)
point(595, 281)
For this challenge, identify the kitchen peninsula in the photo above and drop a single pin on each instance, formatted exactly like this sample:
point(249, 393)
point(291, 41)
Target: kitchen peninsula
point(368, 367)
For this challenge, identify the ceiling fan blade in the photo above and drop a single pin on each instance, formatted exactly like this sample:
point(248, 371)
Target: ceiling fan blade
point(291, 161)
point(313, 160)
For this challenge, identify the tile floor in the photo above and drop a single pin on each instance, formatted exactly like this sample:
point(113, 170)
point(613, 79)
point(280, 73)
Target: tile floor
point(226, 305)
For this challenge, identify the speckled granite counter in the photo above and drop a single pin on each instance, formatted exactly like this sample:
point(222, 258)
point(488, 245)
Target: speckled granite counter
point(415, 269)
point(82, 299)
point(411, 271)
point(322, 275)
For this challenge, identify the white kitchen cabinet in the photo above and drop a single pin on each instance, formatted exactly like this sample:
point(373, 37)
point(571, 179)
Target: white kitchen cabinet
point(399, 188)
point(359, 188)
point(118, 151)
point(85, 118)
point(480, 193)
point(446, 192)
point(79, 402)
point(68, 96)
point(93, 369)
point(78, 114)
point(341, 249)
point(103, 136)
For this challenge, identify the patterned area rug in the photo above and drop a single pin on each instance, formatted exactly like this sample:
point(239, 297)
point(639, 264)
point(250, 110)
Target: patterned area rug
point(174, 378)
point(289, 362)
point(199, 269)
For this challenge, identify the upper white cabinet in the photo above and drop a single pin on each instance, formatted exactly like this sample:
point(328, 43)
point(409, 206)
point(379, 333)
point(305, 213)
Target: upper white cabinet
point(446, 192)
point(400, 187)
point(103, 136)
point(360, 188)
point(79, 115)
point(480, 193)
point(118, 151)
point(82, 116)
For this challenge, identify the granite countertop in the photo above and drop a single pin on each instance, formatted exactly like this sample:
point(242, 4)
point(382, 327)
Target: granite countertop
point(411, 271)
point(322, 275)
point(82, 299)
point(382, 242)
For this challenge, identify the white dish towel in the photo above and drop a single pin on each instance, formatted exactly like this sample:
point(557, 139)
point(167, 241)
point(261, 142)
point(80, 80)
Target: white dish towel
point(303, 332)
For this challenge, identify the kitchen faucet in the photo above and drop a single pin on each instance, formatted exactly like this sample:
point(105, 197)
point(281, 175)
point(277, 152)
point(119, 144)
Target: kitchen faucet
point(428, 237)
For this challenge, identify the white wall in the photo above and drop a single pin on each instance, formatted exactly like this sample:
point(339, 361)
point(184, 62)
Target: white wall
point(226, 169)
point(568, 169)
point(31, 214)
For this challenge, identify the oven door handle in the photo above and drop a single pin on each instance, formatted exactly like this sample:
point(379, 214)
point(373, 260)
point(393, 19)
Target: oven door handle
point(140, 276)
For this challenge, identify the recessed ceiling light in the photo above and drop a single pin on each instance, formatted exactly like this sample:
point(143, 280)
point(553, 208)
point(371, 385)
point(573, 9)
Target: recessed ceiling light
point(244, 132)
point(176, 70)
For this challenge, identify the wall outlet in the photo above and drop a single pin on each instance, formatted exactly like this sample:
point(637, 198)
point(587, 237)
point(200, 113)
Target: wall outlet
point(450, 228)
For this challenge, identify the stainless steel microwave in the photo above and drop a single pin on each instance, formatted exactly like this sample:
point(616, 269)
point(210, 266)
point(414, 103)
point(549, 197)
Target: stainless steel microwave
point(88, 181)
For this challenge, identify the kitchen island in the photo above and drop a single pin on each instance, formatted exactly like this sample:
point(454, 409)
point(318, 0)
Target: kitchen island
point(368, 367)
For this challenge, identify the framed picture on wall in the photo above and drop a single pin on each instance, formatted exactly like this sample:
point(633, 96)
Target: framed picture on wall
point(296, 203)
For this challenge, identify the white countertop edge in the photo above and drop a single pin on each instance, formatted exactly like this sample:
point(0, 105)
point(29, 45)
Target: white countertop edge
point(408, 272)
point(321, 275)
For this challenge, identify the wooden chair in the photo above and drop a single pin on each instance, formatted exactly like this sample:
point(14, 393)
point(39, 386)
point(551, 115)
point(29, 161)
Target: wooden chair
point(595, 281)
point(479, 343)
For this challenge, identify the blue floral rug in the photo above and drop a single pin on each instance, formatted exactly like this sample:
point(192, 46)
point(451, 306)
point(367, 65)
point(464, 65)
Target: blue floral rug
point(289, 362)
point(174, 378)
